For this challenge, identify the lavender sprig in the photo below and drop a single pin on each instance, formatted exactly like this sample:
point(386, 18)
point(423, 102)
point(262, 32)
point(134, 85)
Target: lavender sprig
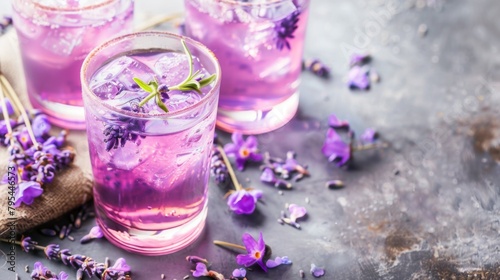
point(83, 264)
point(194, 81)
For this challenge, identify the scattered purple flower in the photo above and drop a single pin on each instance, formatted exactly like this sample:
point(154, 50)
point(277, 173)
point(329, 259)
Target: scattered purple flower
point(95, 232)
point(335, 149)
point(23, 138)
point(40, 125)
point(26, 193)
point(296, 212)
point(316, 67)
point(243, 150)
point(243, 201)
point(52, 251)
point(317, 271)
point(255, 251)
point(278, 261)
point(120, 270)
point(358, 77)
point(201, 270)
point(268, 176)
point(369, 135)
point(239, 272)
point(335, 122)
point(359, 59)
point(42, 273)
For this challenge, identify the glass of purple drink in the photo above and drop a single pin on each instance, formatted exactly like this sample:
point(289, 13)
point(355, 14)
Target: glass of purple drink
point(151, 167)
point(54, 37)
point(259, 44)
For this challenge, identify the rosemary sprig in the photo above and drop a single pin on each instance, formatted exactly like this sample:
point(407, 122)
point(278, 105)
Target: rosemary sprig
point(194, 81)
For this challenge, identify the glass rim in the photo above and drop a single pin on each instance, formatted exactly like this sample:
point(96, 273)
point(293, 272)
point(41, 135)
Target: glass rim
point(239, 3)
point(206, 51)
point(40, 6)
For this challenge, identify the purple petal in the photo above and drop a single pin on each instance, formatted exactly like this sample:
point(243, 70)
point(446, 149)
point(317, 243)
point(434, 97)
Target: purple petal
point(358, 78)
point(358, 59)
point(250, 243)
point(251, 143)
point(41, 125)
point(260, 262)
point(296, 212)
point(255, 157)
point(26, 192)
point(245, 260)
point(273, 263)
point(239, 272)
point(369, 135)
point(285, 260)
point(262, 245)
point(121, 265)
point(317, 271)
point(10, 109)
point(335, 122)
point(231, 149)
point(267, 175)
point(237, 139)
point(257, 194)
point(201, 270)
point(240, 163)
point(334, 148)
point(63, 276)
point(96, 232)
point(241, 202)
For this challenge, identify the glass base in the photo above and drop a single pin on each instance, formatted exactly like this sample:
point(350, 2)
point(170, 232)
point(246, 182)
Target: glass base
point(153, 243)
point(62, 115)
point(258, 121)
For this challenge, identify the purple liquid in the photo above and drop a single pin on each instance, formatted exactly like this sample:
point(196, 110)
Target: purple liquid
point(53, 47)
point(257, 75)
point(151, 194)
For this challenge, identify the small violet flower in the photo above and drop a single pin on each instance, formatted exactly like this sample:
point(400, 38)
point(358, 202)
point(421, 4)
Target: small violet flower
point(27, 244)
point(118, 271)
point(40, 125)
point(42, 273)
point(94, 233)
point(359, 59)
point(243, 150)
point(296, 212)
point(369, 136)
point(317, 271)
point(285, 29)
point(239, 272)
point(52, 251)
point(268, 176)
point(243, 201)
point(24, 139)
point(278, 261)
point(26, 193)
point(335, 149)
point(255, 252)
point(358, 77)
point(201, 270)
point(335, 122)
point(10, 109)
point(316, 67)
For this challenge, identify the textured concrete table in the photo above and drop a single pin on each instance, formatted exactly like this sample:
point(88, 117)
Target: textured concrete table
point(427, 207)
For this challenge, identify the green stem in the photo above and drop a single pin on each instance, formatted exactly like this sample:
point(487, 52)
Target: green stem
point(229, 245)
point(369, 146)
point(230, 169)
point(145, 100)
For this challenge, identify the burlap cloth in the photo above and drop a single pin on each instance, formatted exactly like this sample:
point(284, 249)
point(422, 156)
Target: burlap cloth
point(71, 187)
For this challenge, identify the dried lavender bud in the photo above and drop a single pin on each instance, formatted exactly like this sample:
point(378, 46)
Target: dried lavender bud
point(186, 277)
point(282, 184)
point(334, 184)
point(62, 233)
point(48, 232)
point(78, 222)
point(71, 238)
point(196, 259)
point(218, 169)
point(301, 273)
point(316, 67)
point(68, 229)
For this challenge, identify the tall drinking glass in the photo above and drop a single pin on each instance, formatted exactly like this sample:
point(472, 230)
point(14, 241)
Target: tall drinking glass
point(151, 167)
point(54, 37)
point(259, 44)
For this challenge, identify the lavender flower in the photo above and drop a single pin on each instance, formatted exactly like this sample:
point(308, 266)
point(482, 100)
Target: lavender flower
point(23, 138)
point(42, 273)
point(201, 270)
point(239, 272)
point(296, 212)
point(359, 59)
point(285, 29)
point(119, 271)
point(95, 232)
point(278, 261)
point(335, 122)
point(358, 78)
point(27, 244)
point(268, 176)
point(40, 125)
point(52, 251)
point(218, 168)
point(4, 139)
point(335, 149)
point(243, 150)
point(369, 135)
point(255, 252)
point(243, 201)
point(26, 193)
point(316, 67)
point(10, 109)
point(317, 271)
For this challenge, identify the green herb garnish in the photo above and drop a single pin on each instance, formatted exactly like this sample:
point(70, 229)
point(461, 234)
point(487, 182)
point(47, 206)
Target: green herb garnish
point(194, 81)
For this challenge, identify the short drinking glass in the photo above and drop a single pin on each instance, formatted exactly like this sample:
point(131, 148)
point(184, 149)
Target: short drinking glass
point(259, 44)
point(54, 37)
point(150, 167)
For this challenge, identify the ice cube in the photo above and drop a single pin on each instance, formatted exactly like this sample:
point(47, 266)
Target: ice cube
point(128, 157)
point(122, 71)
point(277, 12)
point(106, 89)
point(62, 41)
point(172, 68)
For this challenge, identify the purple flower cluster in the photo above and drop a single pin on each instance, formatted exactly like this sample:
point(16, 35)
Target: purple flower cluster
point(40, 272)
point(336, 149)
point(218, 168)
point(243, 201)
point(34, 164)
point(120, 129)
point(286, 169)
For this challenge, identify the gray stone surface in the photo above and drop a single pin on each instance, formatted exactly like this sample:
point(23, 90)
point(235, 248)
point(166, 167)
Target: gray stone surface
point(427, 207)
